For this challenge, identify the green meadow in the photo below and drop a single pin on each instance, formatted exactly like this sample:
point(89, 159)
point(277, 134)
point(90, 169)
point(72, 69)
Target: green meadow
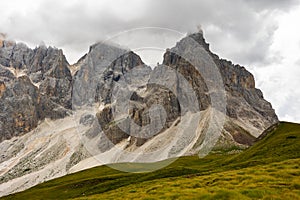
point(270, 169)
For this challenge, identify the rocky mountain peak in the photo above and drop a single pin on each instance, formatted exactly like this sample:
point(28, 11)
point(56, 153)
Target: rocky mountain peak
point(104, 65)
point(199, 38)
point(245, 103)
point(42, 75)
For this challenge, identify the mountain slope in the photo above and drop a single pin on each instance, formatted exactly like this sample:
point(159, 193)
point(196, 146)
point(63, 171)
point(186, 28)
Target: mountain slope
point(269, 169)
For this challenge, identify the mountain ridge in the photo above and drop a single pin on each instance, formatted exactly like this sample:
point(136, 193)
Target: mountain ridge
point(61, 119)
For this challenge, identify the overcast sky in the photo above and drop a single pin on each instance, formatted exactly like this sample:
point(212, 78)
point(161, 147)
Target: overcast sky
point(262, 35)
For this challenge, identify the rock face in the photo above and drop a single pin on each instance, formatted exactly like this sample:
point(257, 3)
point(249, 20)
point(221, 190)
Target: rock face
point(35, 84)
point(41, 80)
point(106, 72)
point(245, 105)
point(112, 106)
point(19, 107)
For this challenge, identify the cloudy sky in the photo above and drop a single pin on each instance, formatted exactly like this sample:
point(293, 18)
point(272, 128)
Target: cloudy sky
point(262, 35)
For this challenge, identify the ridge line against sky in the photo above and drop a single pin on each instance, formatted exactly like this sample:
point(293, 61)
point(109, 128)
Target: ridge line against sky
point(261, 35)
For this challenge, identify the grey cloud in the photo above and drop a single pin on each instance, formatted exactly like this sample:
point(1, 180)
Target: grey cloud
point(272, 4)
point(242, 27)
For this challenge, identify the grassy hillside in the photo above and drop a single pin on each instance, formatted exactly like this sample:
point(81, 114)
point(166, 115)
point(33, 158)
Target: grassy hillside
point(268, 170)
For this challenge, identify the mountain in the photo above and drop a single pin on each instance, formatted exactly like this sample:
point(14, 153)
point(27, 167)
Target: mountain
point(110, 107)
point(267, 170)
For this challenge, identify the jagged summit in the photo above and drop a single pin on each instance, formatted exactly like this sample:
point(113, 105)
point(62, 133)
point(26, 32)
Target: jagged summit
point(199, 38)
point(245, 103)
point(43, 65)
point(48, 87)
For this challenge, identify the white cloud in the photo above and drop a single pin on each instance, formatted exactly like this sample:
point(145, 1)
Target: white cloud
point(280, 81)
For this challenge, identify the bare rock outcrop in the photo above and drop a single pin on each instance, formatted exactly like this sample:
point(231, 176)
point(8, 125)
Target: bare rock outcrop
point(248, 113)
point(35, 84)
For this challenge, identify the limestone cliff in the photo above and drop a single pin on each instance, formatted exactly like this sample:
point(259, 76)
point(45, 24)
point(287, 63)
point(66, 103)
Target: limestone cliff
point(35, 84)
